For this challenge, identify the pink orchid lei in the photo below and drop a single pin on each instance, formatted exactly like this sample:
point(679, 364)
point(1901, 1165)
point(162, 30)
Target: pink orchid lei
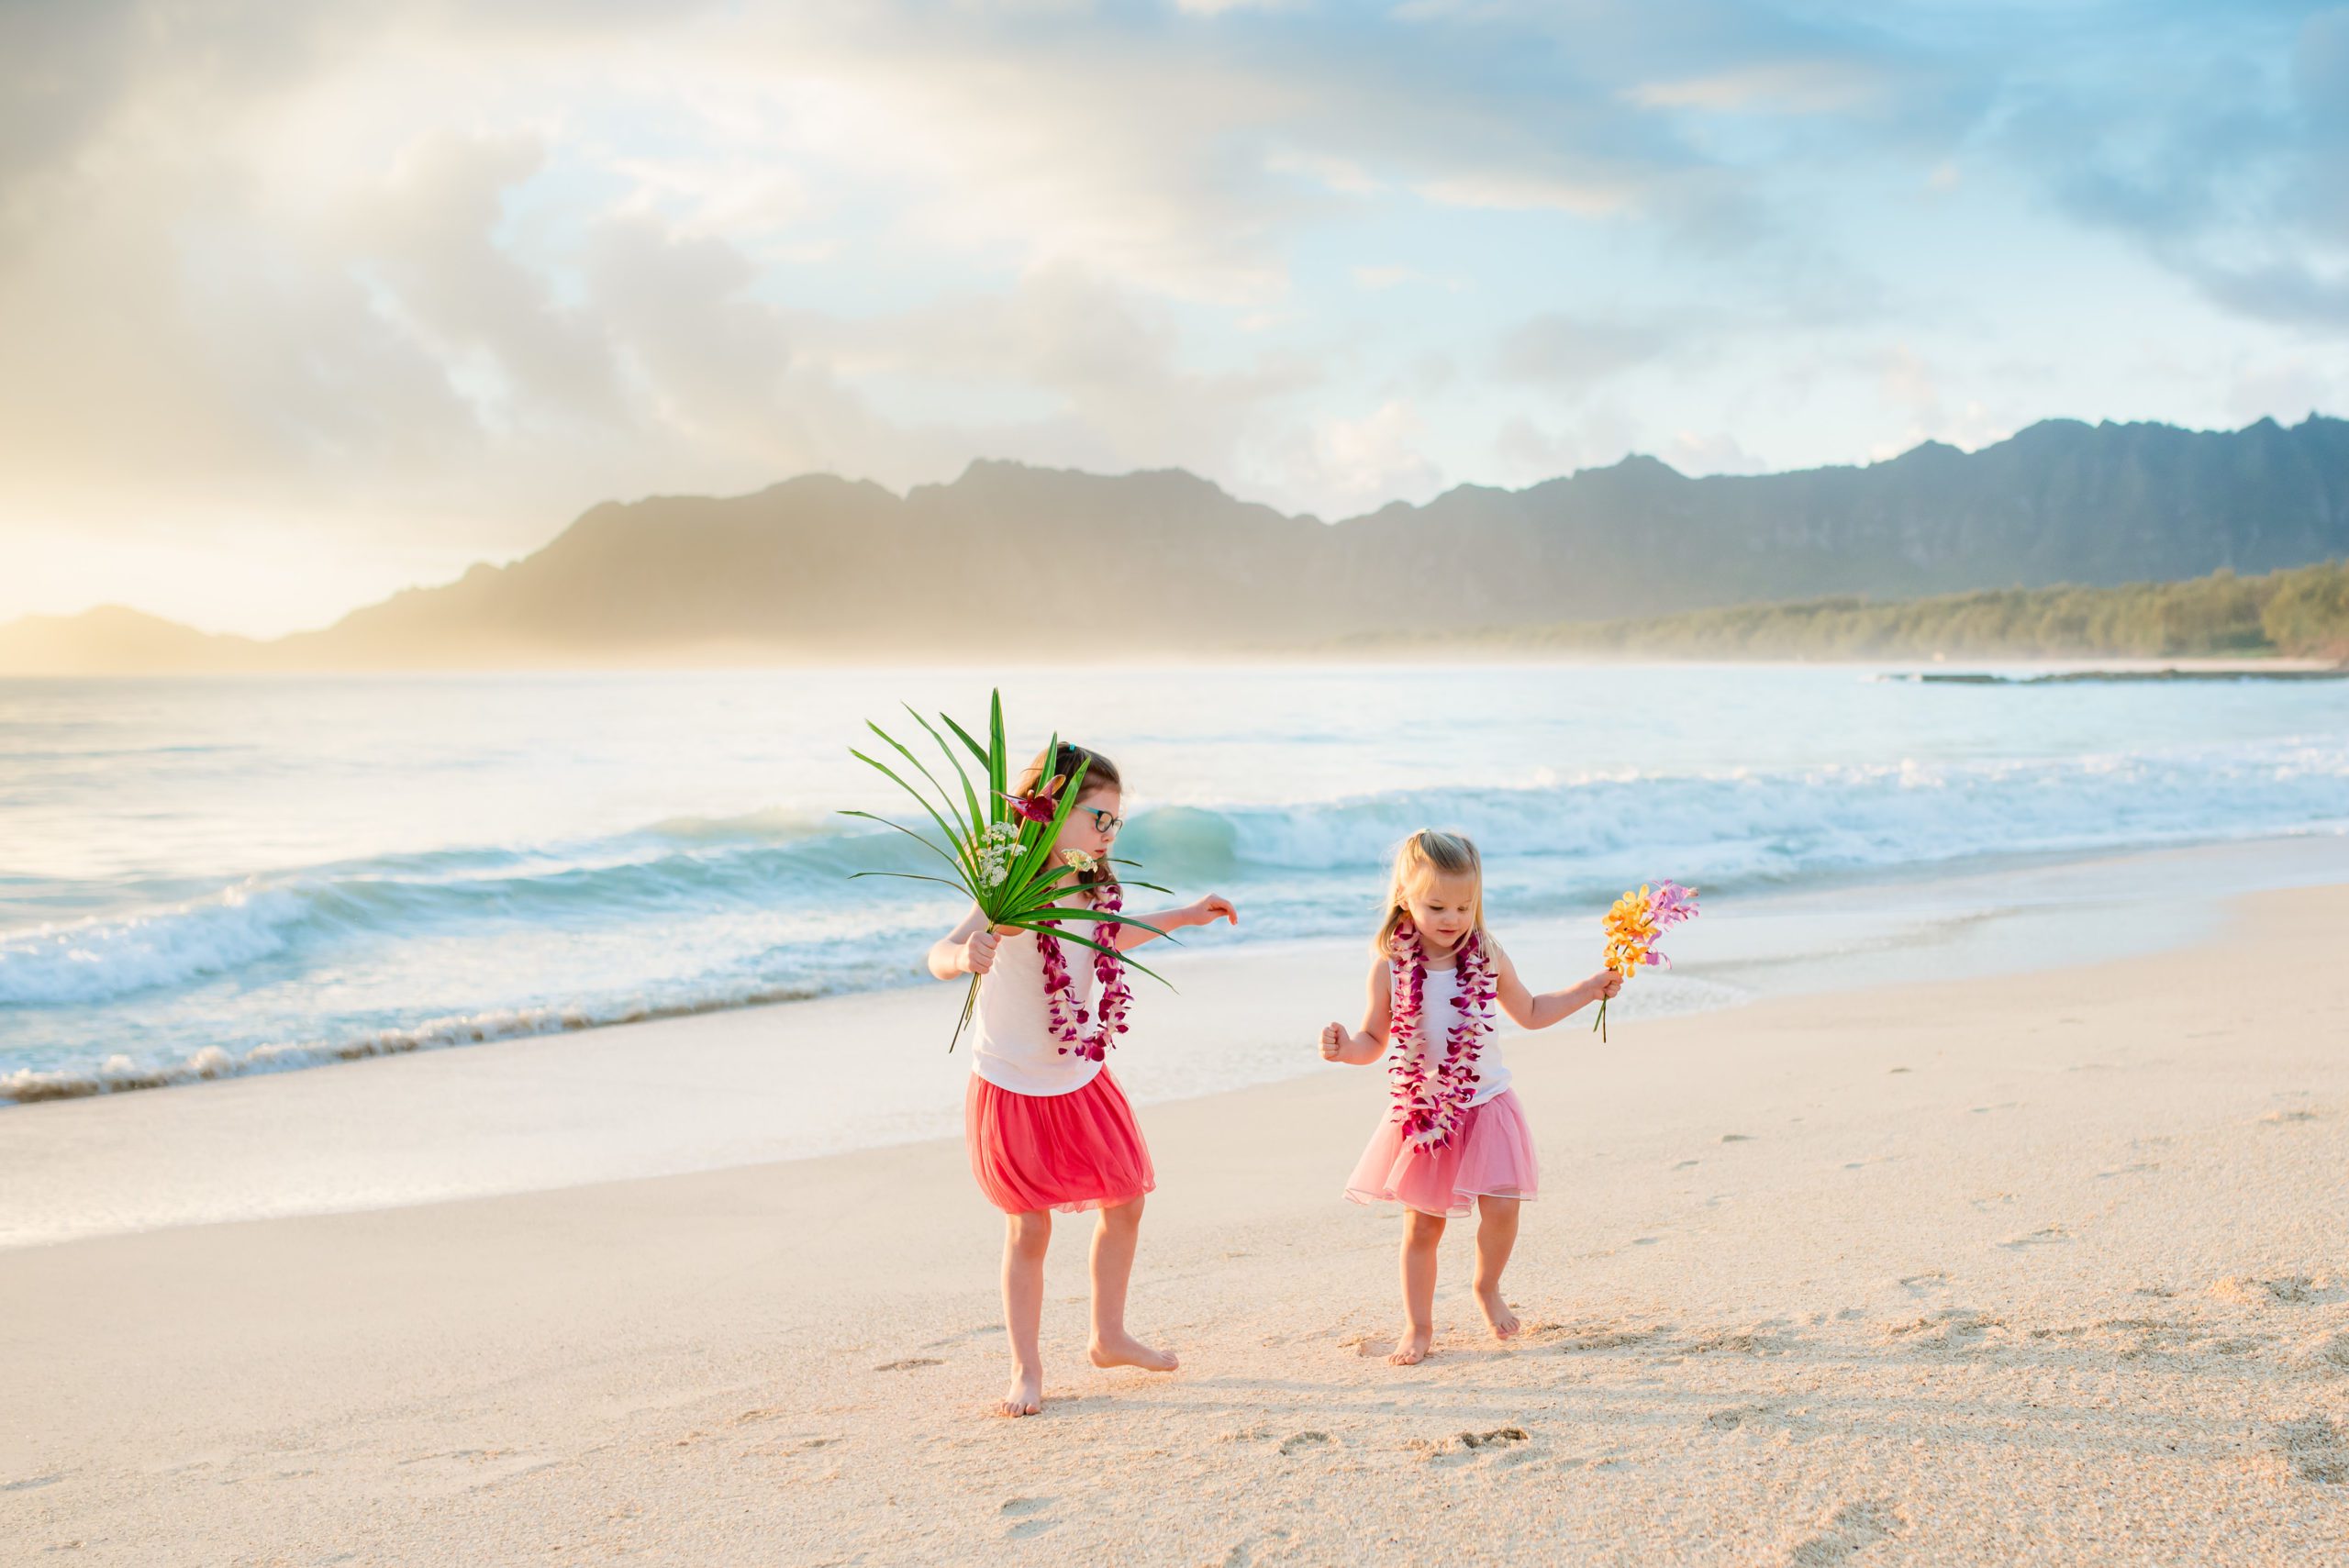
point(1431, 1104)
point(1065, 1016)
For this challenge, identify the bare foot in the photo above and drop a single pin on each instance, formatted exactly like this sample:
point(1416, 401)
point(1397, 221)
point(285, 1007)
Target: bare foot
point(1124, 1350)
point(1498, 1314)
point(1412, 1348)
point(1024, 1398)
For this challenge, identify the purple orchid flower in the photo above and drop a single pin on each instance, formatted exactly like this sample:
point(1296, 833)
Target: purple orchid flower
point(1037, 807)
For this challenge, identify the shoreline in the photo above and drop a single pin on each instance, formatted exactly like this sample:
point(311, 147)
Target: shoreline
point(30, 1086)
point(731, 1088)
point(2044, 1271)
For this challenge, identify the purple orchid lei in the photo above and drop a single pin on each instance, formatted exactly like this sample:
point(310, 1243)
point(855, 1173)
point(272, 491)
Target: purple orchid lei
point(1431, 1104)
point(1065, 1016)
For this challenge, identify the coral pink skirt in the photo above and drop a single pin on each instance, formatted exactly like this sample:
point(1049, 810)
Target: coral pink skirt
point(1492, 1157)
point(1071, 1152)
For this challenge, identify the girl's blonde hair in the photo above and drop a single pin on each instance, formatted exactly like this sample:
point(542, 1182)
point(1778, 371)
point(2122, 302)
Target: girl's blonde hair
point(1424, 853)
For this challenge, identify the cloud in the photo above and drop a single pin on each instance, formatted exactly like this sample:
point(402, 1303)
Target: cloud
point(1785, 87)
point(1577, 352)
point(413, 282)
point(1910, 385)
point(1717, 451)
point(1364, 462)
point(2227, 161)
point(1527, 453)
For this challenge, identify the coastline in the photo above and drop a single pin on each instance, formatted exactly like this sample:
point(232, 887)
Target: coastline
point(2047, 1270)
point(733, 1087)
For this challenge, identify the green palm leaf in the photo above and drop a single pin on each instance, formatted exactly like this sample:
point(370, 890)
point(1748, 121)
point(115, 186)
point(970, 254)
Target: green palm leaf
point(1028, 898)
point(970, 795)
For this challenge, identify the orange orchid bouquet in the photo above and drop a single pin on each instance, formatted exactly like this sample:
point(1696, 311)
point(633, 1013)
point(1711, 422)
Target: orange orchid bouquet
point(1635, 924)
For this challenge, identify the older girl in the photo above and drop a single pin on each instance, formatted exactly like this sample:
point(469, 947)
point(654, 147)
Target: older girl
point(1048, 1125)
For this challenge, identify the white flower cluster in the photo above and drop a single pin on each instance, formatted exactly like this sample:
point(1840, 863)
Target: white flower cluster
point(996, 848)
point(1079, 860)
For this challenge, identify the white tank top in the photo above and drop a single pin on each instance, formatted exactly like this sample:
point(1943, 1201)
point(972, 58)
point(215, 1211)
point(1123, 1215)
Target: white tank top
point(1437, 1018)
point(1016, 1049)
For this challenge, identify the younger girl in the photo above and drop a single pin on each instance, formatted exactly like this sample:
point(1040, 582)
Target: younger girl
point(1455, 1130)
point(1047, 1124)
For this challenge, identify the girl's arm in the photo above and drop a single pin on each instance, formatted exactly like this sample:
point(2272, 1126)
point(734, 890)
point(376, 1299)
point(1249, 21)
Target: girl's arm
point(1531, 1012)
point(1206, 912)
point(968, 949)
point(1369, 1043)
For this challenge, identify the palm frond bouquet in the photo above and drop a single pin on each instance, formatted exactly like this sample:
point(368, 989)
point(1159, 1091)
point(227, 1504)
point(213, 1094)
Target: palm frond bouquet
point(998, 846)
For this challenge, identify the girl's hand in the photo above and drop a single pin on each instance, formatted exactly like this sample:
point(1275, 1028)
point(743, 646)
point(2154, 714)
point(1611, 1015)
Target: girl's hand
point(1333, 1040)
point(978, 953)
point(1607, 983)
point(1213, 908)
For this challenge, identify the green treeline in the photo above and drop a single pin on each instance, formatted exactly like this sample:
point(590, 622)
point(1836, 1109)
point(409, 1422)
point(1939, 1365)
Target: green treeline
point(2301, 612)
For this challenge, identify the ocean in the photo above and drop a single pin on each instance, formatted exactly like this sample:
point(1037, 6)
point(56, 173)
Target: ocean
point(204, 877)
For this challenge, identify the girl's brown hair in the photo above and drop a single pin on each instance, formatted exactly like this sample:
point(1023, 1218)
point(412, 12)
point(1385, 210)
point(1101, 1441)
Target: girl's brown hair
point(1425, 852)
point(1054, 770)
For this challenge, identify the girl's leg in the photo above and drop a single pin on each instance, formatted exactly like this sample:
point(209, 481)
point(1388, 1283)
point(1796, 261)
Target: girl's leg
point(1420, 1234)
point(1025, 1237)
point(1113, 1265)
point(1495, 1235)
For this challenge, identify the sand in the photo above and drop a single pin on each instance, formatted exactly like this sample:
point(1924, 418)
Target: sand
point(2048, 1268)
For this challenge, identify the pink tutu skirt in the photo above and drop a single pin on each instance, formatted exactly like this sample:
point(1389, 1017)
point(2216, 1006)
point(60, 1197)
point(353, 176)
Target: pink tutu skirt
point(1071, 1152)
point(1492, 1157)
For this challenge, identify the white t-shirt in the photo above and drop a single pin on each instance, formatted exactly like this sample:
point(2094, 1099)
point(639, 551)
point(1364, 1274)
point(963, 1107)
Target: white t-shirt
point(1017, 1049)
point(1438, 1017)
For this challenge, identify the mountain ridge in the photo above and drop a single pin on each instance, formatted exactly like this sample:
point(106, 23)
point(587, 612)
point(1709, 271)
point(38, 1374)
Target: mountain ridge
point(1164, 560)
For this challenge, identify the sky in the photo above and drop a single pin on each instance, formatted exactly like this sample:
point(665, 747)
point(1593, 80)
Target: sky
point(305, 303)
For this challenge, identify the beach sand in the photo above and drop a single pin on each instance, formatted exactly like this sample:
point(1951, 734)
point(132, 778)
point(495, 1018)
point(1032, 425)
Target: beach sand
point(2048, 1268)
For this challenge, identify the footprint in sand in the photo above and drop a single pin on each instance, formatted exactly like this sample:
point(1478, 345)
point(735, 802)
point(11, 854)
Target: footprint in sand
point(2278, 1118)
point(1955, 1332)
point(1737, 1137)
point(1736, 1416)
point(1460, 1447)
point(2293, 1290)
point(2314, 1450)
point(2045, 1236)
point(2335, 1353)
point(909, 1363)
point(1023, 1509)
point(1494, 1439)
point(1289, 1445)
point(1854, 1528)
point(1604, 1338)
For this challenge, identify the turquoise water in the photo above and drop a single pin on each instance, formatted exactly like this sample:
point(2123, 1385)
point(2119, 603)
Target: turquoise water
point(206, 877)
